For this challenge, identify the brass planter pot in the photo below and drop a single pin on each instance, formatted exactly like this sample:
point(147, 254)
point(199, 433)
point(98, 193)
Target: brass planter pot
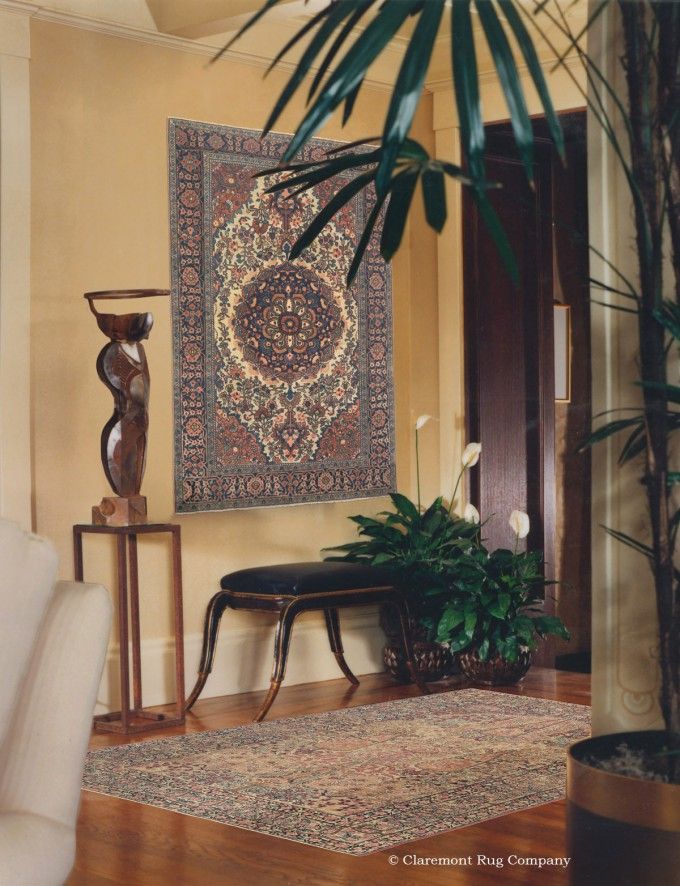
point(494, 671)
point(620, 829)
point(432, 660)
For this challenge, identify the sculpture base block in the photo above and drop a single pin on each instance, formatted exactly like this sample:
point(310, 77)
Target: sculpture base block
point(119, 511)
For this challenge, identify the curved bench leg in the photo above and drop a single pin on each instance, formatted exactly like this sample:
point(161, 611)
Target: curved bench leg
point(284, 629)
point(405, 621)
point(334, 638)
point(211, 626)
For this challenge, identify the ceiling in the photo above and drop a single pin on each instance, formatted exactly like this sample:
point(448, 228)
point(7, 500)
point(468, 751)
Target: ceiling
point(215, 21)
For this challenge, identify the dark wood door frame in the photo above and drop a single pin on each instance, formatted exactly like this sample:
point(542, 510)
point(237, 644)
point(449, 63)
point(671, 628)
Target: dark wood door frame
point(537, 315)
point(535, 301)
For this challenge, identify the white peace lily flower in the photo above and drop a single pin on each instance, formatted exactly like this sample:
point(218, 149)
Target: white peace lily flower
point(471, 455)
point(519, 523)
point(471, 514)
point(421, 421)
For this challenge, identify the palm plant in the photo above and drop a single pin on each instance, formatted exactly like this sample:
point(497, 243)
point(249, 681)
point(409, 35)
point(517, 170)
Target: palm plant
point(398, 164)
point(649, 151)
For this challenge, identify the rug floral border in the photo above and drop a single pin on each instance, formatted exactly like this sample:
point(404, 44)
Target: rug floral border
point(361, 779)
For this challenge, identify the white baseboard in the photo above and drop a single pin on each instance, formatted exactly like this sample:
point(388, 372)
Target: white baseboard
point(244, 657)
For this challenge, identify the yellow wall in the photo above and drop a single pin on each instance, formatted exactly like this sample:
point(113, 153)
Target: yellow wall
point(99, 108)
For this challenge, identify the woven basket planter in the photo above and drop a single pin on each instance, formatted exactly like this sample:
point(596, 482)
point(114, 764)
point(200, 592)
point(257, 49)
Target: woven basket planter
point(432, 660)
point(495, 671)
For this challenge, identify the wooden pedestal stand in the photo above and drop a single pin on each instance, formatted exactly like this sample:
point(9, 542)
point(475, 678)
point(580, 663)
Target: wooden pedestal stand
point(137, 719)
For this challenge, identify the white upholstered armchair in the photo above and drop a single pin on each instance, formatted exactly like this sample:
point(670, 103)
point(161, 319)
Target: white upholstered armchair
point(53, 639)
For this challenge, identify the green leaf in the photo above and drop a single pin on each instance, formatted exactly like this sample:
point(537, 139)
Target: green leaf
point(305, 29)
point(408, 90)
point(524, 628)
point(511, 649)
point(631, 542)
point(636, 545)
point(434, 198)
point(511, 83)
point(672, 392)
point(496, 232)
point(350, 101)
point(459, 643)
point(351, 69)
point(456, 172)
point(526, 44)
point(450, 619)
point(483, 649)
point(551, 624)
point(466, 85)
point(470, 624)
point(412, 150)
point(612, 427)
point(434, 508)
point(334, 205)
point(669, 317)
point(404, 505)
point(575, 38)
point(247, 26)
point(635, 445)
point(328, 170)
point(402, 190)
point(343, 34)
point(336, 13)
point(500, 607)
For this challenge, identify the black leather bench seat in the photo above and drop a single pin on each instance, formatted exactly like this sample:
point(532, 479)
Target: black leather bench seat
point(297, 579)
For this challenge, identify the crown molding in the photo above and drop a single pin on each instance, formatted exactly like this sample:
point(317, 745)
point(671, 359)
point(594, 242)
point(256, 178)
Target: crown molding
point(155, 38)
point(490, 75)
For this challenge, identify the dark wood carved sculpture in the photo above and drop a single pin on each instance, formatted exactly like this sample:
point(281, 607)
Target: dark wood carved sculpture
point(123, 368)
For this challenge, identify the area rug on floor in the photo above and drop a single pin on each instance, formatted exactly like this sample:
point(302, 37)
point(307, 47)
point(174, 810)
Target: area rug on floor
point(361, 779)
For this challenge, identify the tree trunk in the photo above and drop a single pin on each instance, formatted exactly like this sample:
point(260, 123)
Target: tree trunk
point(654, 172)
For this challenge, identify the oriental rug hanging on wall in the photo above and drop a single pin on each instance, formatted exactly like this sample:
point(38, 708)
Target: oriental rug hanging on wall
point(283, 376)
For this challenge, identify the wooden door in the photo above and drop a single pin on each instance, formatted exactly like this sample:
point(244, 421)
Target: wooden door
point(509, 347)
point(510, 358)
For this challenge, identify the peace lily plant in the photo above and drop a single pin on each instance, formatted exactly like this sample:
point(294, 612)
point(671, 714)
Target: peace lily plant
point(419, 544)
point(493, 602)
point(461, 594)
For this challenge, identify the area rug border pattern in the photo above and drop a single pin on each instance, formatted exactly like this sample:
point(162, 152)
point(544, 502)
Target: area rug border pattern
point(566, 722)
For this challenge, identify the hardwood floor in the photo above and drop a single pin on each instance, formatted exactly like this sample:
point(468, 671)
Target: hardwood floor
point(124, 842)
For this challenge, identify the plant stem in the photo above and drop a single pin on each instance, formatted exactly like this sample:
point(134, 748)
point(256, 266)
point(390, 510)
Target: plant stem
point(418, 470)
point(455, 489)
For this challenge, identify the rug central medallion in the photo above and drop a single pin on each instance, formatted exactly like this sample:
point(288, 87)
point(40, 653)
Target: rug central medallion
point(283, 385)
point(287, 323)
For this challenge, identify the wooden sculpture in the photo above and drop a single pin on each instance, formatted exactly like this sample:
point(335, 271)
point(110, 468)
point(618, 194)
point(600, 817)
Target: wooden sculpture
point(123, 368)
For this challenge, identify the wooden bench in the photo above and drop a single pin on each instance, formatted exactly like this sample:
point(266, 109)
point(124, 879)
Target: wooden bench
point(299, 587)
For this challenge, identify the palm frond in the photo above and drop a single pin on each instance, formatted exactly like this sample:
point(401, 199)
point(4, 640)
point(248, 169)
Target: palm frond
point(407, 90)
point(511, 84)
